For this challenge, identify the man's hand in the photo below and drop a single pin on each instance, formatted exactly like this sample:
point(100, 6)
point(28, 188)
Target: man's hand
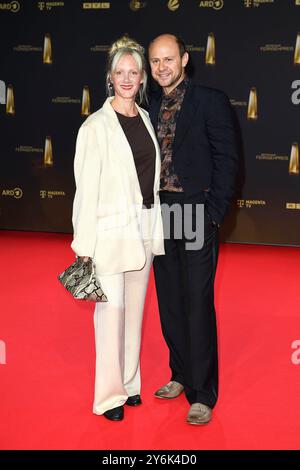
point(215, 224)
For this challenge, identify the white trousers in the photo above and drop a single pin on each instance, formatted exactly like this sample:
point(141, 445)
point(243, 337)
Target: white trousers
point(118, 325)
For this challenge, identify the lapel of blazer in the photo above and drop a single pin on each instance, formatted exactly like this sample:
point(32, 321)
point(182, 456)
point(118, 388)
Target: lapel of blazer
point(185, 117)
point(121, 150)
point(154, 108)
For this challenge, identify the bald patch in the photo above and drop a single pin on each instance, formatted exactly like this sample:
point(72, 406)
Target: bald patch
point(163, 37)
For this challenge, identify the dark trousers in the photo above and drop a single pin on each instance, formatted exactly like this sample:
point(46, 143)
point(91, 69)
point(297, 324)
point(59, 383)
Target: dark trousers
point(185, 289)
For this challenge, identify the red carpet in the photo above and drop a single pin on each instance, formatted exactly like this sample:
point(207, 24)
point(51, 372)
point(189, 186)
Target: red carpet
point(46, 383)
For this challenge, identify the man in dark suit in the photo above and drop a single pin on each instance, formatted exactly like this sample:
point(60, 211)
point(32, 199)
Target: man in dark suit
point(196, 134)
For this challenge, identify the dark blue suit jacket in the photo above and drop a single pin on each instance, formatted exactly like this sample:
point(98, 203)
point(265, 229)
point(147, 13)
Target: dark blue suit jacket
point(204, 149)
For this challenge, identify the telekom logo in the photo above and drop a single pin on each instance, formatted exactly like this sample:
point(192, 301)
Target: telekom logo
point(2, 352)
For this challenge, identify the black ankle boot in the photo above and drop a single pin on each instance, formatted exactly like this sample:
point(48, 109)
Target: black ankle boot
point(134, 400)
point(115, 414)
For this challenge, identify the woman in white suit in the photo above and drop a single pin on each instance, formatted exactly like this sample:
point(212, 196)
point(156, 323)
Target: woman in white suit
point(117, 222)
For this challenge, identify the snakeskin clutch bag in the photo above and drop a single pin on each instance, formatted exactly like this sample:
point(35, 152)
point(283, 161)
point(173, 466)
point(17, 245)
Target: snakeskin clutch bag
point(80, 280)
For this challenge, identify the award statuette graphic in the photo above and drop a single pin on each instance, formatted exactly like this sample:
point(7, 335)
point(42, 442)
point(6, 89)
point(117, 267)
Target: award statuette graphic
point(252, 104)
point(210, 55)
point(10, 101)
point(47, 53)
point(48, 155)
point(297, 51)
point(294, 160)
point(86, 102)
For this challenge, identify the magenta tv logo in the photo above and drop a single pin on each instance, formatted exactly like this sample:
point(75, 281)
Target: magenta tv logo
point(2, 352)
point(295, 357)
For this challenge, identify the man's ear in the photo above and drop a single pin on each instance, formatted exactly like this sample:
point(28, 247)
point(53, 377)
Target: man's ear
point(185, 59)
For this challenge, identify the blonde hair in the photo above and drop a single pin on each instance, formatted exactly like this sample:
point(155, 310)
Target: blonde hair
point(121, 47)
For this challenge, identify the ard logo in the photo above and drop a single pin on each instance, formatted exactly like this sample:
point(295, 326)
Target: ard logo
point(17, 193)
point(14, 7)
point(215, 4)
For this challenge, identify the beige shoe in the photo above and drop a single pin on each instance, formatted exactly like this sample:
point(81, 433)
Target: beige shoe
point(199, 414)
point(171, 390)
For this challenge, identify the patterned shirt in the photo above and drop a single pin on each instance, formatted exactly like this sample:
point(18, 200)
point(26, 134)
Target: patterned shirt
point(166, 128)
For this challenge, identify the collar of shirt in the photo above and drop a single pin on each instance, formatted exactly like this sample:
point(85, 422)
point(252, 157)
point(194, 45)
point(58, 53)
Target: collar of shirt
point(178, 91)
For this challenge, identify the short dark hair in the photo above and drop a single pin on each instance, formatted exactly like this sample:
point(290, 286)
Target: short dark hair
point(181, 45)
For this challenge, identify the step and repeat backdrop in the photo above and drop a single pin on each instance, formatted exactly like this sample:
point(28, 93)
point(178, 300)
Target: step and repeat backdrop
point(52, 74)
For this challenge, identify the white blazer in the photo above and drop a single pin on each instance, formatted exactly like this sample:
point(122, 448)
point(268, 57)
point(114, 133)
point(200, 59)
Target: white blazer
point(108, 202)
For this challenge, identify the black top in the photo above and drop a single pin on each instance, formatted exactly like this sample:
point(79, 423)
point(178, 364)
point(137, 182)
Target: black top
point(143, 150)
